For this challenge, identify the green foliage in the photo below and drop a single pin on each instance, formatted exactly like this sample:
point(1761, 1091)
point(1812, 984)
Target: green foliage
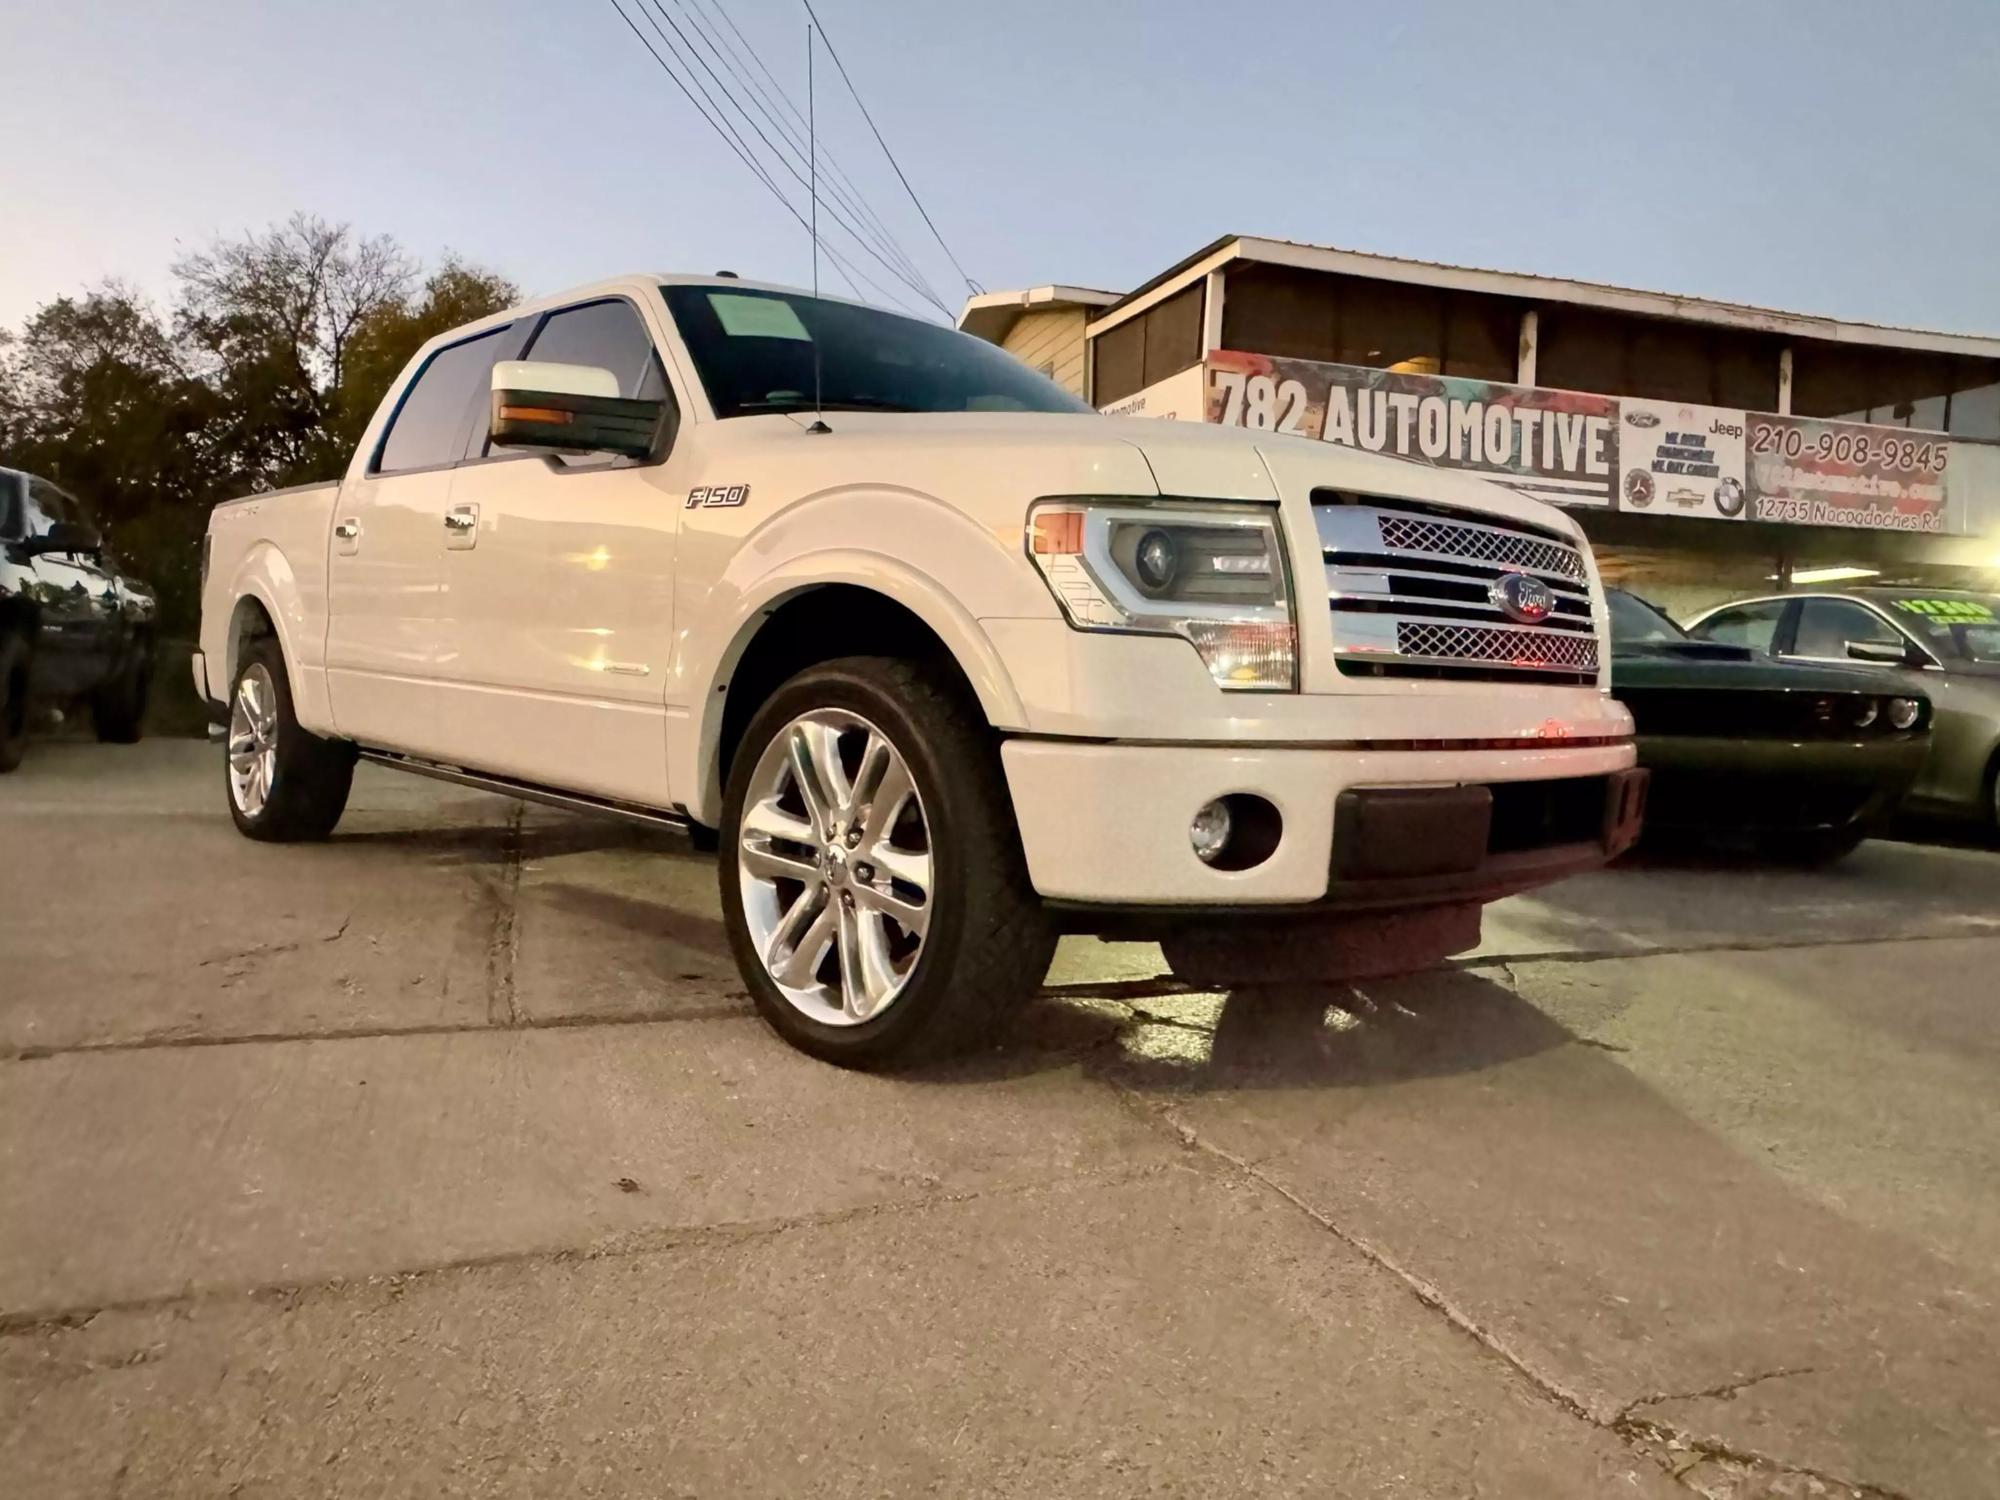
point(265, 372)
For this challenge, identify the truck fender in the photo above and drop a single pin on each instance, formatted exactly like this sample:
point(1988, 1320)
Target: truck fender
point(963, 569)
point(266, 576)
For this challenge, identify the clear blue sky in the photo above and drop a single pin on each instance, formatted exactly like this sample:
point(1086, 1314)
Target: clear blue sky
point(1840, 158)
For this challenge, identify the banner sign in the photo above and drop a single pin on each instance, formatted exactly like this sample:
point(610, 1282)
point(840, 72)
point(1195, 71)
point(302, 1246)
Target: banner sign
point(1177, 398)
point(1843, 474)
point(1554, 445)
point(1576, 449)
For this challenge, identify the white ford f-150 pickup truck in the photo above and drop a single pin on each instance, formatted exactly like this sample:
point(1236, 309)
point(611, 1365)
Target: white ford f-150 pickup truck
point(947, 663)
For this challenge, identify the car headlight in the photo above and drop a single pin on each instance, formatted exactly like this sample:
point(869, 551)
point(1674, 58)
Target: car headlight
point(1212, 573)
point(1863, 712)
point(1904, 712)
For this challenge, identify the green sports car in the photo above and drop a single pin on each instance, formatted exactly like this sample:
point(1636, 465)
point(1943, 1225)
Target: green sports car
point(1802, 761)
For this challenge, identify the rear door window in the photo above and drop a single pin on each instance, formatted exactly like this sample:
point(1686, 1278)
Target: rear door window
point(430, 427)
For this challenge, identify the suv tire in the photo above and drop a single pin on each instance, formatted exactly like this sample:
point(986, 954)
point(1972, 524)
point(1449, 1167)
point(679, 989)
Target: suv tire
point(118, 707)
point(13, 700)
point(284, 783)
point(887, 917)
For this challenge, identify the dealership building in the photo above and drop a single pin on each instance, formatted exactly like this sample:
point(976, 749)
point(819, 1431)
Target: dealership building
point(1708, 449)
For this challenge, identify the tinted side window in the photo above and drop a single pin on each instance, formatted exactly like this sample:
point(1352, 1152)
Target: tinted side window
point(1752, 625)
point(430, 427)
point(608, 335)
point(12, 524)
point(47, 506)
point(1827, 625)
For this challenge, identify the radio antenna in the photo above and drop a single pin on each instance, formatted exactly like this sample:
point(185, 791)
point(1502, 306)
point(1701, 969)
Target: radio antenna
point(812, 191)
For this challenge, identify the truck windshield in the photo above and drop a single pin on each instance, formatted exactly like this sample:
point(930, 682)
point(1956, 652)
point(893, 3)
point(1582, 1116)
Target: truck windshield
point(754, 351)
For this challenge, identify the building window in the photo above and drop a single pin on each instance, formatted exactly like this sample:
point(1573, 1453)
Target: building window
point(1896, 388)
point(1161, 341)
point(1581, 349)
point(1391, 325)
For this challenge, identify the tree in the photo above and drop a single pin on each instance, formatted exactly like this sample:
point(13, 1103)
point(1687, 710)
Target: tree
point(279, 347)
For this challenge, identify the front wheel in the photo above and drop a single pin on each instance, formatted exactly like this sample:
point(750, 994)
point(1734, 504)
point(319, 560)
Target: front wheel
point(872, 879)
point(284, 782)
point(118, 708)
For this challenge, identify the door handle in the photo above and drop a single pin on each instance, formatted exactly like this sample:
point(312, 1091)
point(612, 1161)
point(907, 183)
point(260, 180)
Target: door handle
point(347, 531)
point(461, 527)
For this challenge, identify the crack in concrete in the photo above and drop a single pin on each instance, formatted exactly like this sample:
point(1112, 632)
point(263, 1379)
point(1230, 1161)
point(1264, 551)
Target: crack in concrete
point(29, 1322)
point(1643, 1434)
point(1723, 1392)
point(729, 1010)
point(503, 943)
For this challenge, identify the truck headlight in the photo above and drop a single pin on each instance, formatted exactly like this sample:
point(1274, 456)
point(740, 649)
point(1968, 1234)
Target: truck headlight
point(1212, 573)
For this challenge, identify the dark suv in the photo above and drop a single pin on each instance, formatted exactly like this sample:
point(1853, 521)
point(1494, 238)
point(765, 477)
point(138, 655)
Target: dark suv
point(73, 628)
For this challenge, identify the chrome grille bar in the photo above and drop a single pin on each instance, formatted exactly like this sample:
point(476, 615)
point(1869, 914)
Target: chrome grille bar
point(1412, 593)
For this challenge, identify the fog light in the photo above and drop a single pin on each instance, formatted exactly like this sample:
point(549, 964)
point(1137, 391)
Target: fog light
point(1209, 832)
point(1903, 712)
point(1864, 713)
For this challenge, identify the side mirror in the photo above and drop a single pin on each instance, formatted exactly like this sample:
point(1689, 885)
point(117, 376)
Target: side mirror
point(569, 409)
point(65, 537)
point(1881, 653)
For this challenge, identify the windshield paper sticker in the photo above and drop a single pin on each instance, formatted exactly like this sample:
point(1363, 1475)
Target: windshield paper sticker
point(1949, 611)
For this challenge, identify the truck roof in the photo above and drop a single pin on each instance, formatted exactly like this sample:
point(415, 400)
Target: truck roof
point(638, 281)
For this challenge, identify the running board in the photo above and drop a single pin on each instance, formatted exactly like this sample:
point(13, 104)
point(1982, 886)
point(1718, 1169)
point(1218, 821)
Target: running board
point(528, 791)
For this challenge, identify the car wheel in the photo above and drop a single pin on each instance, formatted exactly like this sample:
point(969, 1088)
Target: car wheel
point(1819, 847)
point(118, 708)
point(13, 701)
point(872, 880)
point(284, 783)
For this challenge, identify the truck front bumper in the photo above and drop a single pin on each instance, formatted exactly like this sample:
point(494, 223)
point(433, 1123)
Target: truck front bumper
point(1107, 825)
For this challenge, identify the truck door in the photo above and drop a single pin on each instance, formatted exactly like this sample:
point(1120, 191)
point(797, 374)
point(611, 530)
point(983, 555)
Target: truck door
point(558, 590)
point(385, 558)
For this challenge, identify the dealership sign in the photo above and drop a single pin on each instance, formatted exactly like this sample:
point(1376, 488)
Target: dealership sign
point(1571, 448)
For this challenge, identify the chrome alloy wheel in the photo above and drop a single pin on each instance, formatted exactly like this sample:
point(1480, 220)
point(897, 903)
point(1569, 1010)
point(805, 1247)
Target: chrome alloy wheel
point(834, 867)
point(253, 740)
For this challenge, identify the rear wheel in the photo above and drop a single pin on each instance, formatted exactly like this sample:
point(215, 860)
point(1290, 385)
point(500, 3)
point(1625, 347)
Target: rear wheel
point(284, 782)
point(118, 708)
point(13, 700)
point(1822, 846)
point(872, 879)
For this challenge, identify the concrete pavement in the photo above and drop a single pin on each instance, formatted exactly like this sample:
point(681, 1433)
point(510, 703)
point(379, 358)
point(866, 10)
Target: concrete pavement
point(447, 1158)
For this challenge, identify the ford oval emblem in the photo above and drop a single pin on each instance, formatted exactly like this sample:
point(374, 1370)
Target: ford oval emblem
point(1519, 597)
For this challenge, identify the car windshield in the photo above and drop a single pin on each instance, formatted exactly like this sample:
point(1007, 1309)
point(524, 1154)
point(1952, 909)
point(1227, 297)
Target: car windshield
point(757, 351)
point(1635, 622)
point(1961, 626)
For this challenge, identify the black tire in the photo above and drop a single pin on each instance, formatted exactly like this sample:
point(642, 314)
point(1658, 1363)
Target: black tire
point(1821, 846)
point(308, 791)
point(13, 700)
point(118, 707)
point(989, 940)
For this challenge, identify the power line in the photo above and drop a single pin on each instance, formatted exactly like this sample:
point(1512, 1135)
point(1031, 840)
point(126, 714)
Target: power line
point(916, 284)
point(850, 272)
point(840, 184)
point(971, 285)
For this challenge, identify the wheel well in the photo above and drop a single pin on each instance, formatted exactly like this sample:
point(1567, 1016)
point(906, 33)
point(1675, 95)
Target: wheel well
point(822, 624)
point(250, 622)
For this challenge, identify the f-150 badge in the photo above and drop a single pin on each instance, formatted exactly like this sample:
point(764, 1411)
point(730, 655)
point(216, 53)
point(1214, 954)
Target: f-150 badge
point(718, 494)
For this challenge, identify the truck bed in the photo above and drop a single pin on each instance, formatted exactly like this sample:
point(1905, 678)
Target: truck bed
point(272, 547)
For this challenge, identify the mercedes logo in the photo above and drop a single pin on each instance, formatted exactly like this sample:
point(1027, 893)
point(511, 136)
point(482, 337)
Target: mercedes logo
point(1519, 597)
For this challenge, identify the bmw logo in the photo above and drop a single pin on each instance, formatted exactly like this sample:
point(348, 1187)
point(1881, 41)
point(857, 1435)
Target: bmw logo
point(1519, 597)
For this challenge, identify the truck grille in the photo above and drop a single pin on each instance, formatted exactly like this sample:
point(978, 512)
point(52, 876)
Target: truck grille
point(1410, 592)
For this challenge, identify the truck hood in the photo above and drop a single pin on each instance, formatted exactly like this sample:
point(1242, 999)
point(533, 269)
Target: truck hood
point(1080, 453)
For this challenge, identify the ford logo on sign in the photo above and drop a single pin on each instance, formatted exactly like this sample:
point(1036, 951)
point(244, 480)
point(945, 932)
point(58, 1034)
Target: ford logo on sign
point(1522, 598)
